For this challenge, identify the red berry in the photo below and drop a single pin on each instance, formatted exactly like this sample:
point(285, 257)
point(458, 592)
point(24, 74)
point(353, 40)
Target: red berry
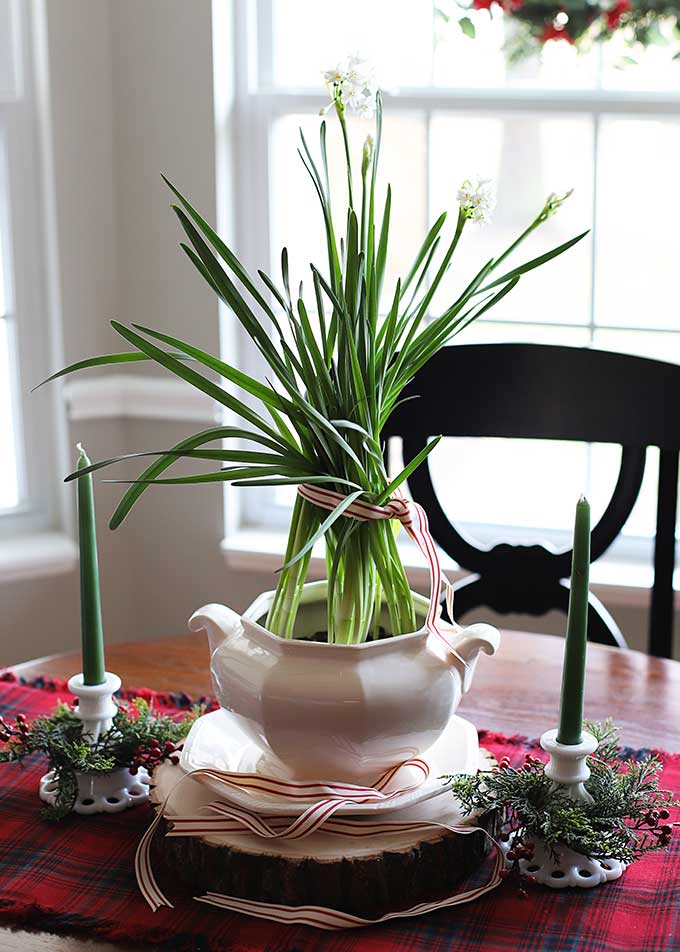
point(666, 830)
point(527, 767)
point(663, 814)
point(169, 746)
point(511, 855)
point(174, 760)
point(21, 719)
point(155, 743)
point(4, 736)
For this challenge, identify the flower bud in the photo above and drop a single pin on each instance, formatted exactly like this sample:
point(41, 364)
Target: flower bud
point(552, 204)
point(369, 146)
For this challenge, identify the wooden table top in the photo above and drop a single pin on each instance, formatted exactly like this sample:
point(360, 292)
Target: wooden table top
point(515, 692)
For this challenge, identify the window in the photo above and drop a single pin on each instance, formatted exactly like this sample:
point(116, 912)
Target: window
point(455, 107)
point(28, 496)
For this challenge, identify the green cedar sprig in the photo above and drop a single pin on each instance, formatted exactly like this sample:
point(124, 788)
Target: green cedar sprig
point(628, 818)
point(137, 738)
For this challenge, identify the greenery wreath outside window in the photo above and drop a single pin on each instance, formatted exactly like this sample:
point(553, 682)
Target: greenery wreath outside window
point(580, 23)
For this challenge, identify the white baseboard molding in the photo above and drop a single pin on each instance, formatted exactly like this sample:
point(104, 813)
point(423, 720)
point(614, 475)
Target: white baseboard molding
point(132, 396)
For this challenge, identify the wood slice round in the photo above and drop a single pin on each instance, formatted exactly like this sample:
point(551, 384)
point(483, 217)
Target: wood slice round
point(366, 877)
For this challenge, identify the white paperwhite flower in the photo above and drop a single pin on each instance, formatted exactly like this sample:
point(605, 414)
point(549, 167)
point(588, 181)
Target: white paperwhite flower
point(352, 84)
point(477, 200)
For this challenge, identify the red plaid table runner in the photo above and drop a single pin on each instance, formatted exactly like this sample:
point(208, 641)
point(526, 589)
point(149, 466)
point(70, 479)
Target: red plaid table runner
point(76, 877)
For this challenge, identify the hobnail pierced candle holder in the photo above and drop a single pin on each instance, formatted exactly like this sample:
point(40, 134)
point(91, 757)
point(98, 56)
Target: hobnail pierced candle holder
point(99, 792)
point(569, 769)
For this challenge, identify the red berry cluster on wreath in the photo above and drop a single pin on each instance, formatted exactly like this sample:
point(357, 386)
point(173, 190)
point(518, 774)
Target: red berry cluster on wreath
point(151, 755)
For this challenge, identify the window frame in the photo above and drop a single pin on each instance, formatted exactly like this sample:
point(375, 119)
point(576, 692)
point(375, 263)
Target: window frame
point(258, 103)
point(40, 423)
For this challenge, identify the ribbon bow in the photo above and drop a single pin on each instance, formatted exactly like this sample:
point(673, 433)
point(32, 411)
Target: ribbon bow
point(413, 518)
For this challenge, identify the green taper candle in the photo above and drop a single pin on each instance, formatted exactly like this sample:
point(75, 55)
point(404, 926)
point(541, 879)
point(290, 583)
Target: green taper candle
point(90, 606)
point(574, 670)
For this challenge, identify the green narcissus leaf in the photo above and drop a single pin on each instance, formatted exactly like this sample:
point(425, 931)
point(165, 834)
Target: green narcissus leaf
point(102, 361)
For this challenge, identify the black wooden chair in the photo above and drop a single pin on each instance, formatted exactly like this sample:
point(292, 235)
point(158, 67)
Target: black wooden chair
point(533, 391)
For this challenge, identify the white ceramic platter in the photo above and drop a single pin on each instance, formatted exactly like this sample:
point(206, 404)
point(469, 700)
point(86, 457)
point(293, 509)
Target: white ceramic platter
point(217, 741)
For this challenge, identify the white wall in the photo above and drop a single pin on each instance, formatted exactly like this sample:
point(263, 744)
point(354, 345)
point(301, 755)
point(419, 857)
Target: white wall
point(130, 96)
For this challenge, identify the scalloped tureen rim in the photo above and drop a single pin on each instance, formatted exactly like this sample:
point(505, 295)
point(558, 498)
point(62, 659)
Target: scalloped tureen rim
point(315, 592)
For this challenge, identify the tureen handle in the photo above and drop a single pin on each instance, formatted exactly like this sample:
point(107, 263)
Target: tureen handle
point(220, 623)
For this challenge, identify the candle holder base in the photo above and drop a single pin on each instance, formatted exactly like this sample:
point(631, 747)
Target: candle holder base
point(567, 766)
point(568, 868)
point(102, 792)
point(96, 707)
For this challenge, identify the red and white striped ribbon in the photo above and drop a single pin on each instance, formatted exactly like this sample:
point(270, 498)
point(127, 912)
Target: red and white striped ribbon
point(331, 919)
point(224, 816)
point(413, 518)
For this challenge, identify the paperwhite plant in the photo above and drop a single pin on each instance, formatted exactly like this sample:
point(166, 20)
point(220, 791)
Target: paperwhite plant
point(338, 375)
point(352, 84)
point(477, 200)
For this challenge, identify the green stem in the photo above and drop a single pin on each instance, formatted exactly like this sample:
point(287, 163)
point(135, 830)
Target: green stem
point(283, 613)
point(348, 160)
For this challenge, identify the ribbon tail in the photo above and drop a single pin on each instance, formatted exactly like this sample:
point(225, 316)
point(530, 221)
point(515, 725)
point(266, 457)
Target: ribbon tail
point(145, 877)
point(332, 919)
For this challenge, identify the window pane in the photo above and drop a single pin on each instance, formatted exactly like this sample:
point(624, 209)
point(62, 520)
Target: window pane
point(534, 484)
point(4, 231)
point(655, 70)
point(296, 219)
point(527, 157)
point(606, 460)
point(503, 332)
point(9, 488)
point(421, 43)
point(311, 36)
point(637, 214)
point(483, 62)
point(9, 49)
point(519, 483)
point(658, 346)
